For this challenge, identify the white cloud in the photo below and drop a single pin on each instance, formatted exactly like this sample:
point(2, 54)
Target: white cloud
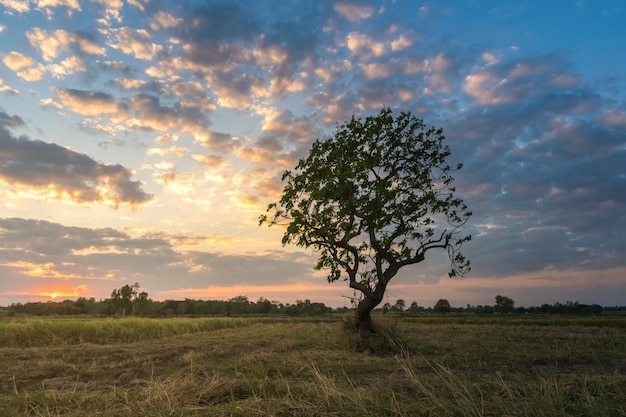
point(19, 6)
point(354, 12)
point(24, 66)
point(374, 71)
point(163, 20)
point(363, 46)
point(51, 44)
point(402, 42)
point(135, 42)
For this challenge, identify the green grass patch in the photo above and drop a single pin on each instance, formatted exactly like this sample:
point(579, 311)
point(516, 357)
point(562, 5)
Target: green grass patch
point(33, 332)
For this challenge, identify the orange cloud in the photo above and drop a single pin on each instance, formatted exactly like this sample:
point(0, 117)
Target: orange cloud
point(296, 291)
point(52, 292)
point(24, 66)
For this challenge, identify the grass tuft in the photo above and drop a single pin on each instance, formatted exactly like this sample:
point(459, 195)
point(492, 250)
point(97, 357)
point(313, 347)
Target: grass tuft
point(386, 340)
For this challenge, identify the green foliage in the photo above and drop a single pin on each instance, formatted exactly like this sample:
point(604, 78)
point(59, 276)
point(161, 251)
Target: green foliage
point(442, 306)
point(123, 300)
point(372, 199)
point(504, 305)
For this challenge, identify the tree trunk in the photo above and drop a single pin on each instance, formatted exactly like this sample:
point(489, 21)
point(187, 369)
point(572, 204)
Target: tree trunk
point(367, 304)
point(364, 315)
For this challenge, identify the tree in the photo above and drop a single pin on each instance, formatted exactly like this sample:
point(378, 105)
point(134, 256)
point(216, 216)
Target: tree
point(442, 306)
point(504, 305)
point(128, 300)
point(400, 304)
point(122, 299)
point(414, 308)
point(371, 200)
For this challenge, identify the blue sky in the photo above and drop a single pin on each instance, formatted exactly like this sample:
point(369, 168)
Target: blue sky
point(140, 141)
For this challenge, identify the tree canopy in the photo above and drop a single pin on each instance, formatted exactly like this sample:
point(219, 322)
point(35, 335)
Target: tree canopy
point(372, 199)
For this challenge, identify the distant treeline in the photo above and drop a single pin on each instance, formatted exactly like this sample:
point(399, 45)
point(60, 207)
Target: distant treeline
point(240, 306)
point(236, 306)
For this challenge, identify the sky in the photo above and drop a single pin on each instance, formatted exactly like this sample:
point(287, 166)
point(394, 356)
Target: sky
point(141, 140)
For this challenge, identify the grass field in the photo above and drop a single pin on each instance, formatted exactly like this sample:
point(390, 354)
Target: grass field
point(298, 367)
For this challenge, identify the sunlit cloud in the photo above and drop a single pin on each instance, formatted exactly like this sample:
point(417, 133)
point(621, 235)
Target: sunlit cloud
point(135, 42)
point(24, 66)
point(183, 117)
point(7, 89)
point(163, 20)
point(179, 183)
point(212, 161)
point(19, 6)
point(354, 12)
point(52, 44)
point(57, 292)
point(88, 103)
point(68, 174)
point(362, 46)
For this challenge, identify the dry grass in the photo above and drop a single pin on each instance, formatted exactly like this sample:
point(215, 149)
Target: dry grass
point(307, 368)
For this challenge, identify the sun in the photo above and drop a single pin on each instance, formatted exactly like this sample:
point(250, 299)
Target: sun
point(53, 295)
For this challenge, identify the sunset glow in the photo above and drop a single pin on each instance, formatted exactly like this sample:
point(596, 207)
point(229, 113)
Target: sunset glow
point(140, 142)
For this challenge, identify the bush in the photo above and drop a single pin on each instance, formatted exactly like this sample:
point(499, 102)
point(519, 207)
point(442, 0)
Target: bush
point(386, 339)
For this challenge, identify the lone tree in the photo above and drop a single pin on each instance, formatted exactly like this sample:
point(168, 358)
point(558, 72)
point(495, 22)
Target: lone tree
point(372, 199)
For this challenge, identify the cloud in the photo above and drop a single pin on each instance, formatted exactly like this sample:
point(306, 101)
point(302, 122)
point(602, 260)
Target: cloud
point(614, 117)
point(219, 22)
point(33, 251)
point(362, 46)
point(106, 258)
point(167, 138)
point(112, 11)
point(89, 103)
point(135, 42)
point(212, 161)
point(52, 43)
point(68, 66)
point(72, 5)
point(50, 170)
point(541, 170)
point(24, 66)
point(7, 89)
point(510, 81)
point(164, 20)
point(19, 6)
point(149, 113)
point(236, 90)
point(354, 12)
point(290, 128)
point(220, 97)
point(216, 140)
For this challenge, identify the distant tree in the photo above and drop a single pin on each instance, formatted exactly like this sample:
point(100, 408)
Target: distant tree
point(374, 198)
point(128, 300)
point(182, 308)
point(596, 309)
point(265, 306)
point(400, 304)
point(142, 304)
point(122, 299)
point(504, 305)
point(413, 308)
point(442, 306)
point(238, 305)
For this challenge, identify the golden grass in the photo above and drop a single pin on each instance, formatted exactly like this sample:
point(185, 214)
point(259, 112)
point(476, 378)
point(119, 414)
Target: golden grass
point(308, 368)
